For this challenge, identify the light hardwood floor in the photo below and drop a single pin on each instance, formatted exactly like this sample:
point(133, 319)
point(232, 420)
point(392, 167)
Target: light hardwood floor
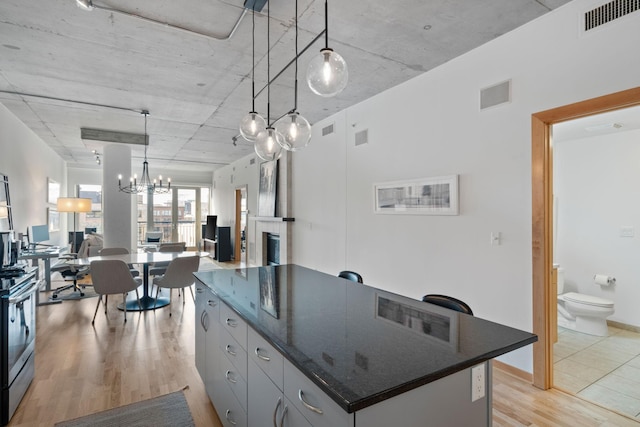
point(82, 369)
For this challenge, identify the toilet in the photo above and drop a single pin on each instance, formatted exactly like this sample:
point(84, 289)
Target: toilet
point(582, 313)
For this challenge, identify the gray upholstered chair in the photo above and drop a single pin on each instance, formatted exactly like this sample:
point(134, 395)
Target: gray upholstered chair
point(179, 275)
point(448, 302)
point(153, 236)
point(350, 275)
point(113, 277)
point(119, 251)
point(159, 268)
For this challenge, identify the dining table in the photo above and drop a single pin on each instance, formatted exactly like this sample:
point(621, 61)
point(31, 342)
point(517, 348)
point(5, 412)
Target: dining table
point(147, 301)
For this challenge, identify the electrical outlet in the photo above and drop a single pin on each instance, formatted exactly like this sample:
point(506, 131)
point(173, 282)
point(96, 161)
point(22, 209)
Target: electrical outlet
point(477, 382)
point(627, 231)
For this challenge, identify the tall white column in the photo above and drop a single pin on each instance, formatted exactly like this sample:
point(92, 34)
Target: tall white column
point(117, 207)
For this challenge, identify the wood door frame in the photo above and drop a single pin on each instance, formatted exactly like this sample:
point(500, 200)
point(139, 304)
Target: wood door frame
point(544, 298)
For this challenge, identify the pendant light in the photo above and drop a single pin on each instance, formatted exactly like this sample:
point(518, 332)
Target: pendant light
point(266, 145)
point(253, 123)
point(327, 74)
point(293, 130)
point(146, 185)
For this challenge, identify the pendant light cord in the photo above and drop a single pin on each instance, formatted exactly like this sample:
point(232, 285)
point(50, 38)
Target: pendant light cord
point(146, 140)
point(269, 66)
point(253, 62)
point(295, 88)
point(326, 24)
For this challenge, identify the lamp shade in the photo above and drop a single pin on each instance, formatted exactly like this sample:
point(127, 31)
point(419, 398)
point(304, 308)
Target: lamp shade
point(293, 132)
point(251, 125)
point(74, 204)
point(4, 211)
point(266, 145)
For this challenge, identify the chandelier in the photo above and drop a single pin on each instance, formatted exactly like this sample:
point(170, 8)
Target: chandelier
point(145, 185)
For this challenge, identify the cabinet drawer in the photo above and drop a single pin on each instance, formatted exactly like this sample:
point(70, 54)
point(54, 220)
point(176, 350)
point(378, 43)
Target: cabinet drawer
point(234, 380)
point(230, 321)
point(234, 352)
point(266, 357)
point(292, 417)
point(229, 410)
point(313, 403)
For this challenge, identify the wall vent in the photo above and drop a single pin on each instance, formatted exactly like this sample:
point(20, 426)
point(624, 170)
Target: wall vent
point(362, 137)
point(327, 130)
point(495, 95)
point(608, 12)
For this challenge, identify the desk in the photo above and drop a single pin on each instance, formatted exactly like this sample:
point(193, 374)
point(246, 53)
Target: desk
point(147, 302)
point(44, 255)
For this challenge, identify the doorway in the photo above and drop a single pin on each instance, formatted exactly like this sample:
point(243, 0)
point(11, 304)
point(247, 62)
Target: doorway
point(544, 292)
point(177, 214)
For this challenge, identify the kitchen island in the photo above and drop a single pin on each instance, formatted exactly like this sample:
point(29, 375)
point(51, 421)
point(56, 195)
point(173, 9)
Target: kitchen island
point(289, 346)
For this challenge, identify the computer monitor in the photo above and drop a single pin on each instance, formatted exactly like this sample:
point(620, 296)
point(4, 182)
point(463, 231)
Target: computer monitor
point(90, 230)
point(39, 234)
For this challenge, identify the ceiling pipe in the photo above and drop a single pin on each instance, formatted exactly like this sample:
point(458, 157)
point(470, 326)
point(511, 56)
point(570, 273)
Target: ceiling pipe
point(89, 5)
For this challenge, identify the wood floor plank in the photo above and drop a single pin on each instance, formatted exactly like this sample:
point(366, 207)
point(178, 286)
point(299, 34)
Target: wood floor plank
point(82, 369)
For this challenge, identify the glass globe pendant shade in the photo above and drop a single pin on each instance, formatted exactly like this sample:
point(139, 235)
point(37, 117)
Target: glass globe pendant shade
point(251, 125)
point(266, 145)
point(327, 74)
point(293, 132)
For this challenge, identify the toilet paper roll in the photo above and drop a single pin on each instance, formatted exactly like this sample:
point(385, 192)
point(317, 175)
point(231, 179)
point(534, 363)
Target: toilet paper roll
point(604, 280)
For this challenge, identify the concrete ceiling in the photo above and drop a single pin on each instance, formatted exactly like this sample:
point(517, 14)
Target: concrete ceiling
point(63, 68)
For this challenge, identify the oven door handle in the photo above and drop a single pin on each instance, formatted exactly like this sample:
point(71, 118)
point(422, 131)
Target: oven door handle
point(25, 294)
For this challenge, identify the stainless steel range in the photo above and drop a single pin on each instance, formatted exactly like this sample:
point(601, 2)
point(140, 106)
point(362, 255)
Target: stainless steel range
point(17, 338)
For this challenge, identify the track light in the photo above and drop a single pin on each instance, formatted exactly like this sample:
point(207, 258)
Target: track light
point(85, 4)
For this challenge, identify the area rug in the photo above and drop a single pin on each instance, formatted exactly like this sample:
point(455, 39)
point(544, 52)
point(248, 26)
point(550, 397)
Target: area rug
point(170, 410)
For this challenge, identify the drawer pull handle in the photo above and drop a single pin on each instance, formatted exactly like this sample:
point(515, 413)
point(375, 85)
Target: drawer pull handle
point(275, 412)
point(265, 358)
point(231, 420)
point(284, 414)
point(230, 350)
point(212, 303)
point(231, 323)
point(306, 405)
point(230, 378)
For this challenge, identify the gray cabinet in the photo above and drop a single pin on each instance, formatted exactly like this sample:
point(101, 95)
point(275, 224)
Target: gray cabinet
point(207, 309)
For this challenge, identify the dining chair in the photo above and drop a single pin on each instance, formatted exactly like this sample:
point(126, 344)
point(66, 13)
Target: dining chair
point(112, 277)
point(448, 302)
point(179, 275)
point(351, 275)
point(119, 251)
point(159, 268)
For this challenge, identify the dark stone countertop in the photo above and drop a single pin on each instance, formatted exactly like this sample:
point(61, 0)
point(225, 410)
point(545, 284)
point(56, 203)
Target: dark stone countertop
point(359, 344)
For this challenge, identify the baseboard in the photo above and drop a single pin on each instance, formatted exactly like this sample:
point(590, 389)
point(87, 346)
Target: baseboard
point(623, 326)
point(512, 370)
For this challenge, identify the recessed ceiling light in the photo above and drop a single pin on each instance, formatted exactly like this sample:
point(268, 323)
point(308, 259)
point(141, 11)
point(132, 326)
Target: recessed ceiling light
point(603, 126)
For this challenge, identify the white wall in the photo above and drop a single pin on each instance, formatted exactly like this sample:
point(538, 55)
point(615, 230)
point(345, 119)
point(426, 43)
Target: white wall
point(28, 162)
point(597, 193)
point(432, 126)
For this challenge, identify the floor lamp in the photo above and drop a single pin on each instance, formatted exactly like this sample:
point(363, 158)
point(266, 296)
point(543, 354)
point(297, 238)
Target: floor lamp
point(74, 205)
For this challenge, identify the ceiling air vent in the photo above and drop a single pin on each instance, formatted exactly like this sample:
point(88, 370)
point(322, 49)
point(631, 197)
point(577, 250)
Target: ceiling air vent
point(327, 130)
point(608, 12)
point(495, 95)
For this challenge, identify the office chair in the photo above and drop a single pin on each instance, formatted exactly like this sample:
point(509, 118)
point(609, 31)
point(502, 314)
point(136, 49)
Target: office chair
point(153, 236)
point(72, 272)
point(179, 275)
point(448, 302)
point(351, 275)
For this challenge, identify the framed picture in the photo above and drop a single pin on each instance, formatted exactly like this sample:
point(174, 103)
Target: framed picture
point(53, 191)
point(267, 188)
point(53, 219)
point(269, 301)
point(426, 196)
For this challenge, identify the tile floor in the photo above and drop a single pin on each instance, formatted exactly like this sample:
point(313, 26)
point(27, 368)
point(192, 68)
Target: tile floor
point(604, 370)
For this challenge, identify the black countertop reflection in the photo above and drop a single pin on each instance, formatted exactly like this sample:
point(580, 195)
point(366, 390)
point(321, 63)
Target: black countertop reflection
point(361, 345)
point(12, 282)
